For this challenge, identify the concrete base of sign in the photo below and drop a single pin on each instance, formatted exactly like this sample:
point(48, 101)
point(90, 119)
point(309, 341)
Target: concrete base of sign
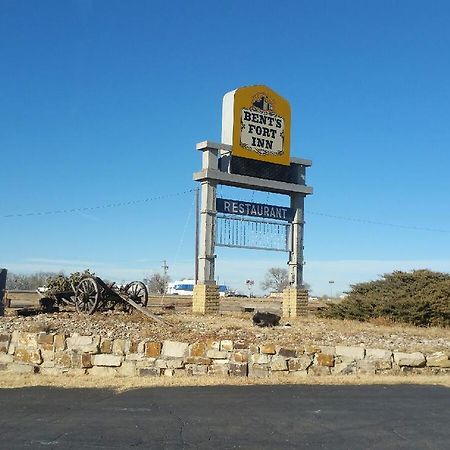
point(295, 302)
point(205, 299)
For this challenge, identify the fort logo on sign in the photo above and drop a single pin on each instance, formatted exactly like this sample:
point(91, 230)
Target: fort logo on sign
point(256, 122)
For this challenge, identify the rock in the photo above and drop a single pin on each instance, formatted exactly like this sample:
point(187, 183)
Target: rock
point(415, 359)
point(323, 359)
point(378, 354)
point(134, 346)
point(175, 349)
point(106, 360)
point(4, 342)
point(148, 362)
point(216, 354)
point(175, 363)
point(266, 319)
point(278, 363)
point(135, 357)
point(86, 361)
point(59, 342)
point(149, 372)
point(366, 367)
point(196, 369)
point(63, 359)
point(106, 345)
point(86, 344)
point(382, 364)
point(327, 349)
point(238, 369)
point(438, 359)
point(258, 371)
point(153, 349)
point(28, 340)
point(300, 363)
point(350, 353)
point(198, 360)
point(213, 345)
point(312, 349)
point(218, 369)
point(47, 355)
point(258, 358)
point(226, 345)
point(239, 357)
point(267, 348)
point(120, 347)
point(45, 341)
point(197, 349)
point(127, 369)
point(28, 356)
point(287, 352)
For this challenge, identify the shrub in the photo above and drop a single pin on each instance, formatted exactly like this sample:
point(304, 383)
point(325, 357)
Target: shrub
point(420, 297)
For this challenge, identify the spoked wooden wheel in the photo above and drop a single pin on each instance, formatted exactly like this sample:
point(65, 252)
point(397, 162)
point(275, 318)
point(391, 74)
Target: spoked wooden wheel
point(87, 295)
point(137, 291)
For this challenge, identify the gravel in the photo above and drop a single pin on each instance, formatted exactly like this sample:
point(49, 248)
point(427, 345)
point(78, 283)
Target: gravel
point(187, 327)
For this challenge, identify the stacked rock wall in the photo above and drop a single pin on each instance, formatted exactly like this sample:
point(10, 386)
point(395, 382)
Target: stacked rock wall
point(55, 354)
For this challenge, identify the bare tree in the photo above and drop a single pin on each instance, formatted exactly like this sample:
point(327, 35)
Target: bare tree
point(276, 280)
point(157, 283)
point(16, 281)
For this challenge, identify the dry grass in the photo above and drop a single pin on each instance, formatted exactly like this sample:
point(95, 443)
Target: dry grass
point(11, 381)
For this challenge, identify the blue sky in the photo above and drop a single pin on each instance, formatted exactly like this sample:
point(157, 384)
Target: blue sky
point(102, 102)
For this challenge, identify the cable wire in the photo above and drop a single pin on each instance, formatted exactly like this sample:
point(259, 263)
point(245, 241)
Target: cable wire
point(92, 208)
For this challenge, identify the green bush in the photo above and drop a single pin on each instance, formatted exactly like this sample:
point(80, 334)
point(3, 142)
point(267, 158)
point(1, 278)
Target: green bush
point(420, 297)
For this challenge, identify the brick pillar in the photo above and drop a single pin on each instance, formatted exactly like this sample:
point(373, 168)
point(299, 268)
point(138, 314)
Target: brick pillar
point(295, 302)
point(205, 299)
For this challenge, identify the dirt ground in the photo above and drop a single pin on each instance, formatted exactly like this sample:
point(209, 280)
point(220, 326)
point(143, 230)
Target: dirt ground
point(8, 381)
point(237, 326)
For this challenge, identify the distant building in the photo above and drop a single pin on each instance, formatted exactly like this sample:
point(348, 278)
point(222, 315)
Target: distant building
point(186, 287)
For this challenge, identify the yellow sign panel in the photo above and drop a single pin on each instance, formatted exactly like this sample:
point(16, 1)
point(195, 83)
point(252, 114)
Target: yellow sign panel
point(256, 122)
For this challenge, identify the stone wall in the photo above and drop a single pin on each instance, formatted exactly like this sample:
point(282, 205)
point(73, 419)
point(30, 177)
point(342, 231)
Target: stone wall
point(55, 354)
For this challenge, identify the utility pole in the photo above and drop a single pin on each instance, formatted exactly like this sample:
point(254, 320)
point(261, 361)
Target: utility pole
point(331, 282)
point(165, 268)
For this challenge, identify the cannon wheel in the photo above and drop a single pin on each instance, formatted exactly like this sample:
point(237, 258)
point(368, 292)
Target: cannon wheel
point(87, 295)
point(137, 291)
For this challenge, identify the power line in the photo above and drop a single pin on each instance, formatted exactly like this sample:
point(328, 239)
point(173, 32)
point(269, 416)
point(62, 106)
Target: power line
point(93, 208)
point(187, 191)
point(374, 222)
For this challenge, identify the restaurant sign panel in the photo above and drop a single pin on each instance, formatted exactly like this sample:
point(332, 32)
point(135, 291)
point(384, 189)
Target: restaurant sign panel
point(257, 210)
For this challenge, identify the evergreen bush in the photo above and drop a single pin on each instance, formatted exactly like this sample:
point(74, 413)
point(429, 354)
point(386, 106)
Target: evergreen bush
point(420, 297)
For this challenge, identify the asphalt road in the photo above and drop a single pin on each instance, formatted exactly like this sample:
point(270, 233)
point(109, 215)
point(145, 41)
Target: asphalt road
point(255, 417)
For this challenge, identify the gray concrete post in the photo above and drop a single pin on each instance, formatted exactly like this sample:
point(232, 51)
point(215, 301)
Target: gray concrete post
point(296, 254)
point(206, 262)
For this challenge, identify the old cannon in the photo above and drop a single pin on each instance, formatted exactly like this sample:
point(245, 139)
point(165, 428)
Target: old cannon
point(93, 294)
point(88, 293)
